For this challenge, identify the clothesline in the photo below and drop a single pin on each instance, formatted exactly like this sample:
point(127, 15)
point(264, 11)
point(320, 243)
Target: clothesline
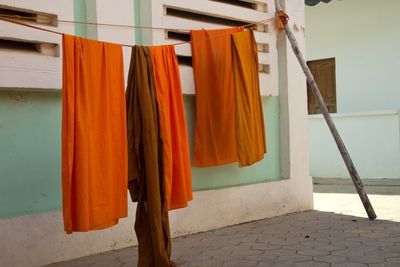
point(16, 20)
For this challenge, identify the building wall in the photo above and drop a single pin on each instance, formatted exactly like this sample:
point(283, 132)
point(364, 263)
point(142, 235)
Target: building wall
point(30, 184)
point(362, 37)
point(372, 140)
point(30, 134)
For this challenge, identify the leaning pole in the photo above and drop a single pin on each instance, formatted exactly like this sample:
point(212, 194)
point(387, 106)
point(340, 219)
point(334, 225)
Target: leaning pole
point(339, 142)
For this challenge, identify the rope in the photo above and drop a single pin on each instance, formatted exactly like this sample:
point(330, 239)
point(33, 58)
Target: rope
point(15, 19)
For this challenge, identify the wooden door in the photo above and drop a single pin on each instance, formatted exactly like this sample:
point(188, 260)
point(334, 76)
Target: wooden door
point(325, 77)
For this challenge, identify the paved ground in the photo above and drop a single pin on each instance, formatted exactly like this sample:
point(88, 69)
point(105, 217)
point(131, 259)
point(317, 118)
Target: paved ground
point(336, 234)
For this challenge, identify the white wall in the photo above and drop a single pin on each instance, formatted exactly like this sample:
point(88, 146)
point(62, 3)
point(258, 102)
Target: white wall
point(372, 140)
point(32, 69)
point(363, 36)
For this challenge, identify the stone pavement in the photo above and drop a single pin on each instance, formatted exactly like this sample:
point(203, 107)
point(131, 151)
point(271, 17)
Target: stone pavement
point(336, 234)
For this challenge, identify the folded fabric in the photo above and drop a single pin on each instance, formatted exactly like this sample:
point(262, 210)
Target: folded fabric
point(94, 146)
point(176, 158)
point(250, 130)
point(215, 139)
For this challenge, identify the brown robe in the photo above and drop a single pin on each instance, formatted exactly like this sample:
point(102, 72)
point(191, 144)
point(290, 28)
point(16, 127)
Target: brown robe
point(145, 174)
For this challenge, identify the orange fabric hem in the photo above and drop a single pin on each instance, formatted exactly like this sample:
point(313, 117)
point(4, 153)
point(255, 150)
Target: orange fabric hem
point(96, 227)
point(215, 163)
point(251, 162)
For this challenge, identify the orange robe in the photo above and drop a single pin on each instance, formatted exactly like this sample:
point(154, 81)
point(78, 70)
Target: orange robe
point(250, 130)
point(94, 146)
point(176, 158)
point(146, 180)
point(214, 140)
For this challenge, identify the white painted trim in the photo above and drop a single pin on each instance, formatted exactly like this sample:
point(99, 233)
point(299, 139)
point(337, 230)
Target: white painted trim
point(293, 98)
point(377, 113)
point(26, 69)
point(39, 239)
point(113, 12)
point(157, 18)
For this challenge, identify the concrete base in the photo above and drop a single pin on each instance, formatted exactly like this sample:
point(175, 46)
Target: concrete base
point(39, 239)
point(345, 185)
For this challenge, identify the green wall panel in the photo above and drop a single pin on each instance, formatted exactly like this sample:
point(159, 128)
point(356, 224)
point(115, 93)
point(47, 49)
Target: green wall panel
point(231, 174)
point(30, 146)
point(30, 162)
point(138, 31)
point(80, 15)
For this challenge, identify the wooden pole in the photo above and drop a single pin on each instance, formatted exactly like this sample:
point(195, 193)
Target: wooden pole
point(339, 142)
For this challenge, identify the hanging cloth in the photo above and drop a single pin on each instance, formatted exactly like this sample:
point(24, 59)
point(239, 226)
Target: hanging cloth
point(250, 130)
point(214, 138)
point(176, 158)
point(94, 146)
point(146, 183)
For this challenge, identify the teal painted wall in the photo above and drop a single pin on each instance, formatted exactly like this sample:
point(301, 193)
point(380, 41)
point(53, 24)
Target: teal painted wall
point(230, 175)
point(80, 15)
point(30, 156)
point(138, 32)
point(30, 146)
point(30, 132)
point(364, 38)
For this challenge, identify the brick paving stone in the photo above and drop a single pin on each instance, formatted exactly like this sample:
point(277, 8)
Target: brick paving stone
point(313, 252)
point(349, 264)
point(246, 252)
point(204, 263)
point(394, 259)
point(330, 247)
point(264, 257)
point(294, 258)
point(304, 239)
point(240, 263)
point(311, 264)
point(330, 258)
point(367, 259)
point(385, 264)
point(298, 247)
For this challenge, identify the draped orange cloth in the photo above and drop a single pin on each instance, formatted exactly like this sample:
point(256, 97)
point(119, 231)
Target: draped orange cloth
point(250, 130)
point(94, 145)
point(176, 159)
point(281, 19)
point(214, 140)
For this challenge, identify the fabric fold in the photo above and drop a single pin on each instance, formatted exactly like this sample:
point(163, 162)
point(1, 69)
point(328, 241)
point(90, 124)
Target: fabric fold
point(249, 124)
point(176, 158)
point(146, 182)
point(94, 147)
point(214, 140)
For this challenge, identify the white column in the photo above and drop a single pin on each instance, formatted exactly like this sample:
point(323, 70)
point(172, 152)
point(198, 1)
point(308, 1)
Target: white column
point(293, 106)
point(113, 12)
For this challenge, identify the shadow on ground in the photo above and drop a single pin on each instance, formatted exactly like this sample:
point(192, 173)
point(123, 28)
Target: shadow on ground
point(308, 239)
